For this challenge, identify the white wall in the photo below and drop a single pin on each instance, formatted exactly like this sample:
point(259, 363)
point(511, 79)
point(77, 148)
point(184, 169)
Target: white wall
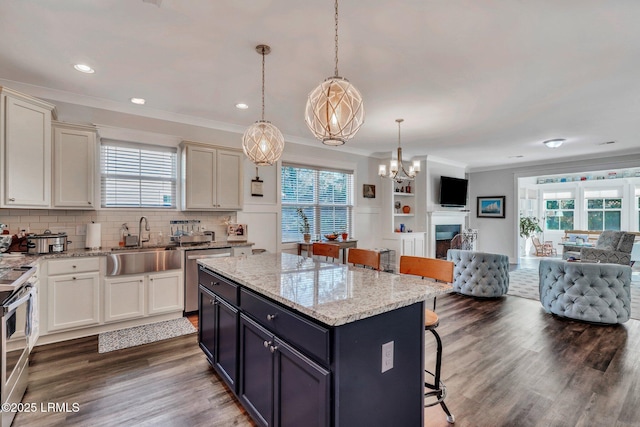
point(501, 235)
point(262, 214)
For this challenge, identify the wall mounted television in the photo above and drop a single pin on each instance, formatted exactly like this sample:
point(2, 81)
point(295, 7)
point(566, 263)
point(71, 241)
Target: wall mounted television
point(453, 191)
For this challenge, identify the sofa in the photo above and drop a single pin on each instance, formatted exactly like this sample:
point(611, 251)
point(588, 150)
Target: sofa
point(591, 292)
point(479, 274)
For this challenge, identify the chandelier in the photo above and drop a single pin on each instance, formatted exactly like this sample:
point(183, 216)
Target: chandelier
point(334, 111)
point(397, 171)
point(262, 142)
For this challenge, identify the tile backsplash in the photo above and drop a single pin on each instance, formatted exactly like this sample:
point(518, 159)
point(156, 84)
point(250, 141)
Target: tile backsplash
point(73, 222)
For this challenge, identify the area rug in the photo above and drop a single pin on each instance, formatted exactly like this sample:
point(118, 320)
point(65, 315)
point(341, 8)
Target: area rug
point(145, 334)
point(524, 283)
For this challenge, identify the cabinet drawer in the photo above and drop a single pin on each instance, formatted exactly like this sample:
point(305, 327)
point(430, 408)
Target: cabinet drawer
point(73, 265)
point(301, 333)
point(218, 285)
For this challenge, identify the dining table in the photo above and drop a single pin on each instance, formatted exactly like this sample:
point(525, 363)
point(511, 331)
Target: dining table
point(344, 244)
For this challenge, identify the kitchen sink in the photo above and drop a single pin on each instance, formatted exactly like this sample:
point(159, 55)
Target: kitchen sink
point(143, 260)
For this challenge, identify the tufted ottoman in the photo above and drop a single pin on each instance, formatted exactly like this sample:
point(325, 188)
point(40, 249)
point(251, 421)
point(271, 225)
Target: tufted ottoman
point(590, 292)
point(479, 274)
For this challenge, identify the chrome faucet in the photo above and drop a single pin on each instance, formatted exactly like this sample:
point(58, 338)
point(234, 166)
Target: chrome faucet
point(146, 227)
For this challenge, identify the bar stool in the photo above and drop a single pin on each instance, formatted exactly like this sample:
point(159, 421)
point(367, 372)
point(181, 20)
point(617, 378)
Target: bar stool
point(439, 270)
point(364, 257)
point(327, 250)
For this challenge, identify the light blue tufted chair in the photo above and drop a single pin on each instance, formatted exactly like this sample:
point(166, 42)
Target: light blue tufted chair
point(479, 274)
point(592, 292)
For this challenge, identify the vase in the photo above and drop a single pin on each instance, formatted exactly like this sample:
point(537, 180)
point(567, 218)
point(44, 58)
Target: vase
point(406, 209)
point(307, 237)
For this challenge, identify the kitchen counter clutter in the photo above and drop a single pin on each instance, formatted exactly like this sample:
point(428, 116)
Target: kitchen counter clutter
point(302, 342)
point(333, 294)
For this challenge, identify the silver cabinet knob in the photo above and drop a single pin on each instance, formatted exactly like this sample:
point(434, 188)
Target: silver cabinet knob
point(267, 344)
point(270, 317)
point(12, 199)
point(273, 348)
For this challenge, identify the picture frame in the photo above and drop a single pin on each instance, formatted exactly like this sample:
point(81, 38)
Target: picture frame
point(491, 207)
point(368, 191)
point(256, 187)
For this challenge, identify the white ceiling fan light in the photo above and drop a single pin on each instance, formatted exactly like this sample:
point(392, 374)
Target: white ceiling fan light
point(84, 68)
point(554, 143)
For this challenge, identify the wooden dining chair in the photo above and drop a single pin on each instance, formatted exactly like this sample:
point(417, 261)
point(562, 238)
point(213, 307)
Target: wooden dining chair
point(327, 250)
point(364, 257)
point(442, 271)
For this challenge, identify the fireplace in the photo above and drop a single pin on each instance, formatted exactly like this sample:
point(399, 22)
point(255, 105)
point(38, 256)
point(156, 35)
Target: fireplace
point(444, 234)
point(448, 223)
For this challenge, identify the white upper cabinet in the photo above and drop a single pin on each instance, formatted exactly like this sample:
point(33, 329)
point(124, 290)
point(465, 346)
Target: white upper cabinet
point(25, 144)
point(212, 177)
point(74, 157)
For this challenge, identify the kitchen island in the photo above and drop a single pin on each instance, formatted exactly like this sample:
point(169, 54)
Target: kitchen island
point(302, 342)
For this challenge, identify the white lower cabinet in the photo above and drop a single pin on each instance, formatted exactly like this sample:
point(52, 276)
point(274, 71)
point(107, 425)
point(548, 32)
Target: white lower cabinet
point(73, 301)
point(166, 292)
point(124, 298)
point(135, 296)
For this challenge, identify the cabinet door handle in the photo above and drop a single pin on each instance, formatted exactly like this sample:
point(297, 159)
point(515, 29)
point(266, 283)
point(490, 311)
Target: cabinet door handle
point(267, 344)
point(73, 278)
point(12, 199)
point(211, 301)
point(89, 202)
point(215, 283)
point(270, 317)
point(73, 266)
point(273, 348)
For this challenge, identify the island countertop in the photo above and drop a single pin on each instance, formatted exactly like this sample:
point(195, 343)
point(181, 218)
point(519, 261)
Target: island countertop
point(334, 294)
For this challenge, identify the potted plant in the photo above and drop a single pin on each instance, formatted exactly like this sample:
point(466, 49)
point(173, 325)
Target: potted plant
point(529, 225)
point(304, 225)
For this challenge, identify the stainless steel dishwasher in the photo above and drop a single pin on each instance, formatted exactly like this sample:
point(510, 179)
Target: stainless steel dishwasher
point(191, 273)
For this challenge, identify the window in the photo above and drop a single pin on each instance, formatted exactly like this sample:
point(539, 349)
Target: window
point(137, 175)
point(638, 206)
point(604, 209)
point(559, 210)
point(325, 196)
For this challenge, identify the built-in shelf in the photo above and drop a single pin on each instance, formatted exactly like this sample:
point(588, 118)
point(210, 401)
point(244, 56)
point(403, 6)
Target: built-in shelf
point(404, 194)
point(403, 214)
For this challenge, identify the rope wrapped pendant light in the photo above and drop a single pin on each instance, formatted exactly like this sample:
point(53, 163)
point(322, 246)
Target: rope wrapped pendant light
point(334, 111)
point(262, 142)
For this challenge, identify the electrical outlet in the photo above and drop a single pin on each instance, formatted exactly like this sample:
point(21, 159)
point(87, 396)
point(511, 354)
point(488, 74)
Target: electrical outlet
point(81, 230)
point(387, 356)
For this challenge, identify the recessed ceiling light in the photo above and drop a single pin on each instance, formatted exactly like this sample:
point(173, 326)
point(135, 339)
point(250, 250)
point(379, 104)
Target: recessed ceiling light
point(242, 106)
point(554, 143)
point(84, 68)
point(139, 101)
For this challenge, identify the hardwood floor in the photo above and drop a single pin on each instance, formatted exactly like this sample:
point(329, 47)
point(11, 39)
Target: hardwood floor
point(506, 363)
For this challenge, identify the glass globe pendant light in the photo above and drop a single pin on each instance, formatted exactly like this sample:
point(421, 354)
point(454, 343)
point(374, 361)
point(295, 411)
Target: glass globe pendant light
point(262, 142)
point(334, 111)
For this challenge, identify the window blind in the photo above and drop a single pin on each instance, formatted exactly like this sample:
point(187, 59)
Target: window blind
point(138, 175)
point(324, 195)
point(566, 194)
point(610, 192)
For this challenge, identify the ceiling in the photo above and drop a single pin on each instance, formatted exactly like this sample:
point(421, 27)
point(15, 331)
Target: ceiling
point(477, 81)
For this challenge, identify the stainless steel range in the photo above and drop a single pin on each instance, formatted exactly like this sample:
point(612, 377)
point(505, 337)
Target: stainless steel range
point(17, 296)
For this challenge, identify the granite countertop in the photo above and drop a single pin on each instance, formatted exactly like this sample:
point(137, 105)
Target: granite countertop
point(17, 259)
point(333, 294)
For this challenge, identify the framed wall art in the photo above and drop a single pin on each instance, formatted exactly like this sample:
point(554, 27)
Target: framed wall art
point(368, 191)
point(491, 207)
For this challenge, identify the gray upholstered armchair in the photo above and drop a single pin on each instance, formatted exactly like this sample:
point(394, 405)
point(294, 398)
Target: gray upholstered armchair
point(479, 274)
point(590, 292)
point(612, 247)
